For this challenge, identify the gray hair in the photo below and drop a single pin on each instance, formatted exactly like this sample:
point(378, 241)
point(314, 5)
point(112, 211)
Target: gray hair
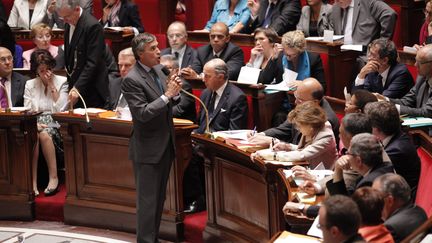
point(139, 43)
point(356, 123)
point(220, 67)
point(394, 185)
point(71, 4)
point(126, 52)
point(368, 148)
point(170, 58)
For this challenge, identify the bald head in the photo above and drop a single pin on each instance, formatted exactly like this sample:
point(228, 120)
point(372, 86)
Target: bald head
point(219, 36)
point(126, 60)
point(6, 62)
point(215, 74)
point(424, 61)
point(309, 90)
point(177, 35)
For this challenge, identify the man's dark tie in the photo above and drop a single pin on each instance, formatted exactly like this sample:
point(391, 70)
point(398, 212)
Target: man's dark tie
point(176, 54)
point(344, 18)
point(156, 79)
point(380, 84)
point(212, 103)
point(426, 93)
point(267, 20)
point(3, 97)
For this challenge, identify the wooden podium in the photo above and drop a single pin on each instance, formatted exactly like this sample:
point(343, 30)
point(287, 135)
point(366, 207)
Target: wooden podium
point(18, 134)
point(100, 180)
point(244, 198)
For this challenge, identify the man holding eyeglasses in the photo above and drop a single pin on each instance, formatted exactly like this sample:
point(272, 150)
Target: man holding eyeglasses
point(418, 101)
point(13, 82)
point(177, 38)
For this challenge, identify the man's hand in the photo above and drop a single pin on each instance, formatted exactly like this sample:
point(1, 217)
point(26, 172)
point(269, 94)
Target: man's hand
point(343, 163)
point(73, 96)
point(260, 139)
point(371, 66)
point(380, 97)
point(174, 86)
point(303, 173)
point(189, 73)
point(309, 187)
point(292, 207)
point(281, 146)
point(254, 6)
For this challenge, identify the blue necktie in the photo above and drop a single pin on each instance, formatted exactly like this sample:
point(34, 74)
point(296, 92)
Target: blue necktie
point(267, 20)
point(156, 79)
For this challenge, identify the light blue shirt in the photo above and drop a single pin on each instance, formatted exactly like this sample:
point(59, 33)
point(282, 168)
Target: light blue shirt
point(221, 14)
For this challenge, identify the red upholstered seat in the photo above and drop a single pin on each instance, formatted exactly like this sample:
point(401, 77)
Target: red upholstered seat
point(197, 14)
point(424, 190)
point(397, 35)
point(150, 15)
point(413, 71)
point(8, 4)
point(97, 8)
point(324, 58)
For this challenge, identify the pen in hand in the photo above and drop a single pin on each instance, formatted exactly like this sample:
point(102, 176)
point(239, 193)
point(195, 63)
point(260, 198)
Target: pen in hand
point(254, 131)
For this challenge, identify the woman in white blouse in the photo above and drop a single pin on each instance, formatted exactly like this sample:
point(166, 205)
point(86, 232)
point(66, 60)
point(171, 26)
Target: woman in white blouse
point(47, 93)
point(317, 143)
point(26, 13)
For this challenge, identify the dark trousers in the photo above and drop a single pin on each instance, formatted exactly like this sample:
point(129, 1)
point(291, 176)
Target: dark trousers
point(194, 180)
point(151, 182)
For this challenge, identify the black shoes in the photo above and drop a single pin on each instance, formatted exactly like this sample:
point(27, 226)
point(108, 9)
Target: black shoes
point(195, 207)
point(51, 191)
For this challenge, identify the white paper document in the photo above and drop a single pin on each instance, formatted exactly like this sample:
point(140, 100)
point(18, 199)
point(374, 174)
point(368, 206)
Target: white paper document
point(321, 38)
point(314, 231)
point(287, 82)
point(248, 75)
point(233, 134)
point(417, 121)
point(352, 47)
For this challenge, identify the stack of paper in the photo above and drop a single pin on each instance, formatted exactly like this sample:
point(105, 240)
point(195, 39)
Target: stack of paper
point(417, 121)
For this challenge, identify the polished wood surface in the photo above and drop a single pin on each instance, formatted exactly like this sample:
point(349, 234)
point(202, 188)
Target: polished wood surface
point(100, 180)
point(244, 198)
point(18, 134)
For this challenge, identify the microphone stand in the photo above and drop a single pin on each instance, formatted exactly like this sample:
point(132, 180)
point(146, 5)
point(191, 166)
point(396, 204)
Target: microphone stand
point(8, 109)
point(85, 106)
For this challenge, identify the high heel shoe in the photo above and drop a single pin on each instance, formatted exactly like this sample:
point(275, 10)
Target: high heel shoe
point(36, 193)
point(51, 191)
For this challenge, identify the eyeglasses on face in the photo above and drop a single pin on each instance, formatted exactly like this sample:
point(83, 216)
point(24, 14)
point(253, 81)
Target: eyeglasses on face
point(4, 60)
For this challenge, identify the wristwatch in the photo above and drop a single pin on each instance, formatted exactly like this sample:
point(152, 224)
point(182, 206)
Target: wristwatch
point(301, 207)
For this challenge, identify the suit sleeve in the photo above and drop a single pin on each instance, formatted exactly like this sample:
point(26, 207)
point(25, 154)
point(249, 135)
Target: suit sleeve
point(197, 64)
point(235, 62)
point(317, 70)
point(134, 18)
point(288, 18)
point(401, 84)
point(283, 132)
point(337, 188)
point(239, 113)
point(385, 16)
point(186, 102)
point(408, 103)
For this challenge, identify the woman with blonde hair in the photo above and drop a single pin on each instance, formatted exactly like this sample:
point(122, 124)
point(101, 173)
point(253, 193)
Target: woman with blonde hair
point(317, 143)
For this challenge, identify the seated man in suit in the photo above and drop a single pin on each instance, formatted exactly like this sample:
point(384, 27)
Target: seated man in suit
point(382, 73)
point(227, 110)
point(309, 89)
point(401, 216)
point(185, 109)
point(280, 15)
point(385, 122)
point(177, 39)
point(418, 101)
point(12, 81)
point(219, 47)
point(361, 21)
point(126, 61)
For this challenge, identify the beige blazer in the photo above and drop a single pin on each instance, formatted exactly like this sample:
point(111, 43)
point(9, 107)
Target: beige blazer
point(34, 89)
point(20, 16)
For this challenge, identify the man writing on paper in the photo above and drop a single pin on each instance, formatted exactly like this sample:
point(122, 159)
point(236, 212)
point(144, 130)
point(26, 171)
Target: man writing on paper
point(150, 95)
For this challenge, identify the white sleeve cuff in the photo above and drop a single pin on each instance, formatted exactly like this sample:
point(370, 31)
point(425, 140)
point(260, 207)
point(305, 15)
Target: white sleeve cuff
point(165, 99)
point(398, 108)
point(359, 81)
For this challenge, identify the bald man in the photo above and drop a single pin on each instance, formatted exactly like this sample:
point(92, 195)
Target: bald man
point(177, 38)
point(307, 90)
point(219, 47)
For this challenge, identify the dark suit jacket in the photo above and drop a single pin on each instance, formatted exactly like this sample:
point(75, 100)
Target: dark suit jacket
point(284, 18)
point(230, 113)
point(185, 109)
point(340, 187)
point(115, 90)
point(151, 117)
point(372, 19)
point(189, 56)
point(232, 55)
point(2, 12)
point(404, 221)
point(288, 133)
point(412, 104)
point(89, 73)
point(129, 16)
point(403, 155)
point(399, 82)
point(18, 82)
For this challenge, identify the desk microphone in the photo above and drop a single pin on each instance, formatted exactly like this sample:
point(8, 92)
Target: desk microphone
point(8, 109)
point(167, 72)
point(85, 106)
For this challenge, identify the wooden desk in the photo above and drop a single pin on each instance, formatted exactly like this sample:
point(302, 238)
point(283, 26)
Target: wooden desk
point(18, 134)
point(264, 105)
point(100, 180)
point(24, 35)
point(244, 199)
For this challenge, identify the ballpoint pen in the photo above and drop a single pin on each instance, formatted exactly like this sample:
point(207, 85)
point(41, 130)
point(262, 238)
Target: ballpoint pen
point(254, 131)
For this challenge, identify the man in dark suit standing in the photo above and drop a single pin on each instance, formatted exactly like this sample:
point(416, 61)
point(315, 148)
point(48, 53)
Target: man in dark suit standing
point(280, 15)
point(150, 97)
point(219, 47)
point(84, 51)
point(177, 38)
point(53, 17)
point(382, 73)
point(12, 81)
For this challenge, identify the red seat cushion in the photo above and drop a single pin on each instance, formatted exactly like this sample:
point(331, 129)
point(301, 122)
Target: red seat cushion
point(397, 35)
point(424, 190)
point(197, 14)
point(324, 58)
point(413, 71)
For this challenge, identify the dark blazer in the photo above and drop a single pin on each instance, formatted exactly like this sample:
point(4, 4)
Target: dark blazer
point(404, 221)
point(115, 90)
point(188, 57)
point(185, 109)
point(284, 18)
point(288, 133)
point(18, 82)
point(372, 19)
point(2, 12)
point(403, 155)
point(88, 73)
point(129, 16)
point(230, 113)
point(412, 103)
point(232, 55)
point(399, 82)
point(340, 187)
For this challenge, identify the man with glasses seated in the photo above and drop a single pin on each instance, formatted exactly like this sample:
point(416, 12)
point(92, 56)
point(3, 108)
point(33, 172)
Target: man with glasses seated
point(219, 47)
point(13, 82)
point(418, 101)
point(177, 38)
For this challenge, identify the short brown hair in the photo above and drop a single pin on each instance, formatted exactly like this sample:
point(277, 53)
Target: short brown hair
point(269, 33)
point(308, 113)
